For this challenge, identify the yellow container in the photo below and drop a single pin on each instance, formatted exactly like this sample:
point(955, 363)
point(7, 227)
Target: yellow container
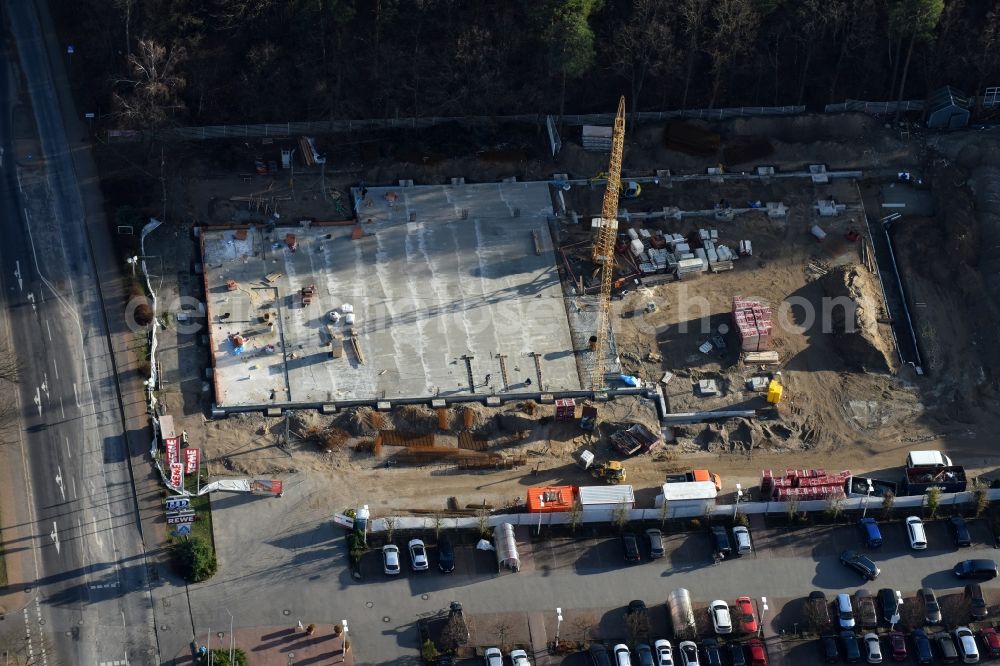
point(774, 391)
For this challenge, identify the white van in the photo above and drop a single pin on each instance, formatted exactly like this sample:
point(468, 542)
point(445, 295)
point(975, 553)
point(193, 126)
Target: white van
point(927, 459)
point(915, 530)
point(741, 536)
point(845, 613)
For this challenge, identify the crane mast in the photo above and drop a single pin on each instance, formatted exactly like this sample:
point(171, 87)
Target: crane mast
point(604, 246)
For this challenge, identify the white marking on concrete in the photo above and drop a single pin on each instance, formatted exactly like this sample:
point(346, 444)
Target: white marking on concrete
point(31, 299)
point(55, 536)
point(55, 365)
point(49, 329)
point(17, 272)
point(59, 482)
point(72, 483)
point(76, 394)
point(69, 453)
point(62, 409)
point(38, 401)
point(96, 532)
point(45, 385)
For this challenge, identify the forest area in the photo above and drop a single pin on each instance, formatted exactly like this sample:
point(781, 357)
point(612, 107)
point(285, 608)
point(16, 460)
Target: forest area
point(155, 63)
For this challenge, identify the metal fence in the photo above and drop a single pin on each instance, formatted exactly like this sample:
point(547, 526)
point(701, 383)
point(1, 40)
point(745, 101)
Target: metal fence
point(874, 108)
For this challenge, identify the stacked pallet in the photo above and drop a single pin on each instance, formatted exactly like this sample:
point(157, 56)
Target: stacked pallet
point(803, 484)
point(752, 320)
point(596, 138)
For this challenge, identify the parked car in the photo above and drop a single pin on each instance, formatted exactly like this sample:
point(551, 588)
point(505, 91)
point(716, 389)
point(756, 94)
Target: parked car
point(741, 535)
point(946, 647)
point(493, 656)
point(978, 569)
point(897, 646)
point(713, 655)
point(664, 653)
point(418, 555)
point(828, 649)
point(965, 641)
point(873, 649)
point(630, 545)
point(758, 655)
point(390, 559)
point(622, 656)
point(519, 658)
point(645, 654)
point(721, 620)
point(845, 613)
point(888, 599)
point(852, 651)
point(978, 607)
point(599, 655)
point(915, 530)
point(871, 533)
point(820, 609)
point(960, 531)
point(860, 563)
point(446, 556)
point(655, 543)
point(745, 614)
point(867, 616)
point(991, 642)
point(689, 653)
point(932, 609)
point(922, 646)
point(737, 657)
point(720, 539)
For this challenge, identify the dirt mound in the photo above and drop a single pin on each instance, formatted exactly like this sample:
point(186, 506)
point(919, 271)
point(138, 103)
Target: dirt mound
point(855, 303)
point(806, 128)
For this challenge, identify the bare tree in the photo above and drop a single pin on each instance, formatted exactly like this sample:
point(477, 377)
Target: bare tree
point(835, 507)
point(152, 95)
point(955, 609)
point(575, 515)
point(643, 45)
point(817, 616)
point(619, 516)
point(390, 528)
point(637, 627)
point(438, 522)
point(582, 626)
point(502, 632)
point(664, 512)
point(888, 504)
point(483, 521)
point(692, 14)
point(980, 498)
point(737, 22)
point(792, 508)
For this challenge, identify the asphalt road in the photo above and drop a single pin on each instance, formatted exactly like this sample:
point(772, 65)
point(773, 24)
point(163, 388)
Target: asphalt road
point(92, 596)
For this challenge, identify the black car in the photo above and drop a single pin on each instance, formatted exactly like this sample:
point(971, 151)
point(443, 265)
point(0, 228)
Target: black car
point(890, 604)
point(860, 563)
point(828, 648)
point(978, 608)
point(932, 609)
point(737, 657)
point(631, 546)
point(599, 655)
point(922, 647)
point(978, 569)
point(960, 531)
point(713, 655)
point(946, 647)
point(720, 539)
point(645, 654)
point(852, 651)
point(446, 556)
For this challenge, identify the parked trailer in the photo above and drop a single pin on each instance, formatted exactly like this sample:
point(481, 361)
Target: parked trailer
point(857, 486)
point(918, 480)
point(681, 613)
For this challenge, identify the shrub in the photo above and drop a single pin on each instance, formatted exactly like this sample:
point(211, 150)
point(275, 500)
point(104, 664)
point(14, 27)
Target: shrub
point(195, 559)
point(220, 657)
point(143, 314)
point(429, 651)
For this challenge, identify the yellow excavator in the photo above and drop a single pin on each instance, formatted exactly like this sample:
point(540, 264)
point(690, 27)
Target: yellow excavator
point(612, 472)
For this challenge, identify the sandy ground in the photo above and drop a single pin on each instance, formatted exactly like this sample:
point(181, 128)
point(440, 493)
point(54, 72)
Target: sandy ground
point(838, 413)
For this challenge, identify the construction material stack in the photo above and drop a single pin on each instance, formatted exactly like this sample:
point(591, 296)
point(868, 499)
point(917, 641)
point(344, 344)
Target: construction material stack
point(803, 484)
point(752, 320)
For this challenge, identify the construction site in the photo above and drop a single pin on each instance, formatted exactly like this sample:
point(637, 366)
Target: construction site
point(392, 322)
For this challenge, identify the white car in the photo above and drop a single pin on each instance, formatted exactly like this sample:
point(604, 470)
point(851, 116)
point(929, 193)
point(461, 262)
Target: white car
point(965, 641)
point(519, 658)
point(418, 555)
point(664, 653)
point(689, 653)
point(915, 530)
point(492, 655)
point(873, 649)
point(845, 612)
point(390, 559)
point(721, 620)
point(622, 656)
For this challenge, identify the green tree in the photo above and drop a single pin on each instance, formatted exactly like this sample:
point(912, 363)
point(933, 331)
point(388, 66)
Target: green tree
point(220, 657)
point(569, 39)
point(195, 559)
point(915, 21)
point(933, 500)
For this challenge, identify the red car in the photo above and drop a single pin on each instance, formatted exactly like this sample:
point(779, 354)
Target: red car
point(991, 641)
point(758, 657)
point(897, 645)
point(744, 611)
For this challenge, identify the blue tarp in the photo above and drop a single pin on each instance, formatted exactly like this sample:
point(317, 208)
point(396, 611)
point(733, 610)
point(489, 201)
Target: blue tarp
point(629, 380)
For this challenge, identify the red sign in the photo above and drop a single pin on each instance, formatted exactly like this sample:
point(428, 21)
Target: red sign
point(176, 474)
point(266, 486)
point(173, 450)
point(191, 461)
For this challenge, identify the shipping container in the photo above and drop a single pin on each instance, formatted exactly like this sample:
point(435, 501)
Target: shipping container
point(606, 497)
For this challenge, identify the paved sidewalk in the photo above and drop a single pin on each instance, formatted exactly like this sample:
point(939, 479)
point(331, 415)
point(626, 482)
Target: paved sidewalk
point(281, 646)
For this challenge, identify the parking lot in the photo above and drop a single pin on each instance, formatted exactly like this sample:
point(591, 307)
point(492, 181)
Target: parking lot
point(294, 565)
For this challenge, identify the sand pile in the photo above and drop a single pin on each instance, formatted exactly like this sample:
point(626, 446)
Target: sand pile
point(854, 305)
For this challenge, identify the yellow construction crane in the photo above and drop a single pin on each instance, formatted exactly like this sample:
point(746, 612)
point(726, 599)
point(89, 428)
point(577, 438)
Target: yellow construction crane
point(604, 245)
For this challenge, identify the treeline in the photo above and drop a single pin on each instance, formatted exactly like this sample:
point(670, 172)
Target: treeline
point(153, 62)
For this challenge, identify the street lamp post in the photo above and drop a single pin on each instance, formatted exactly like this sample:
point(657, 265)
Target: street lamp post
point(344, 622)
point(868, 497)
point(541, 506)
point(558, 625)
point(131, 261)
point(739, 495)
point(763, 610)
point(232, 641)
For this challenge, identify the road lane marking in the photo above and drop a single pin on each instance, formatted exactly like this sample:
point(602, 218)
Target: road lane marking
point(31, 299)
point(72, 482)
point(45, 385)
point(61, 408)
point(69, 454)
point(76, 395)
point(49, 329)
point(38, 401)
point(17, 274)
point(55, 536)
point(55, 366)
point(59, 482)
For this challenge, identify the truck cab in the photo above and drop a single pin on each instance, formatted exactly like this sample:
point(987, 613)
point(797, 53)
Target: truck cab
point(927, 459)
